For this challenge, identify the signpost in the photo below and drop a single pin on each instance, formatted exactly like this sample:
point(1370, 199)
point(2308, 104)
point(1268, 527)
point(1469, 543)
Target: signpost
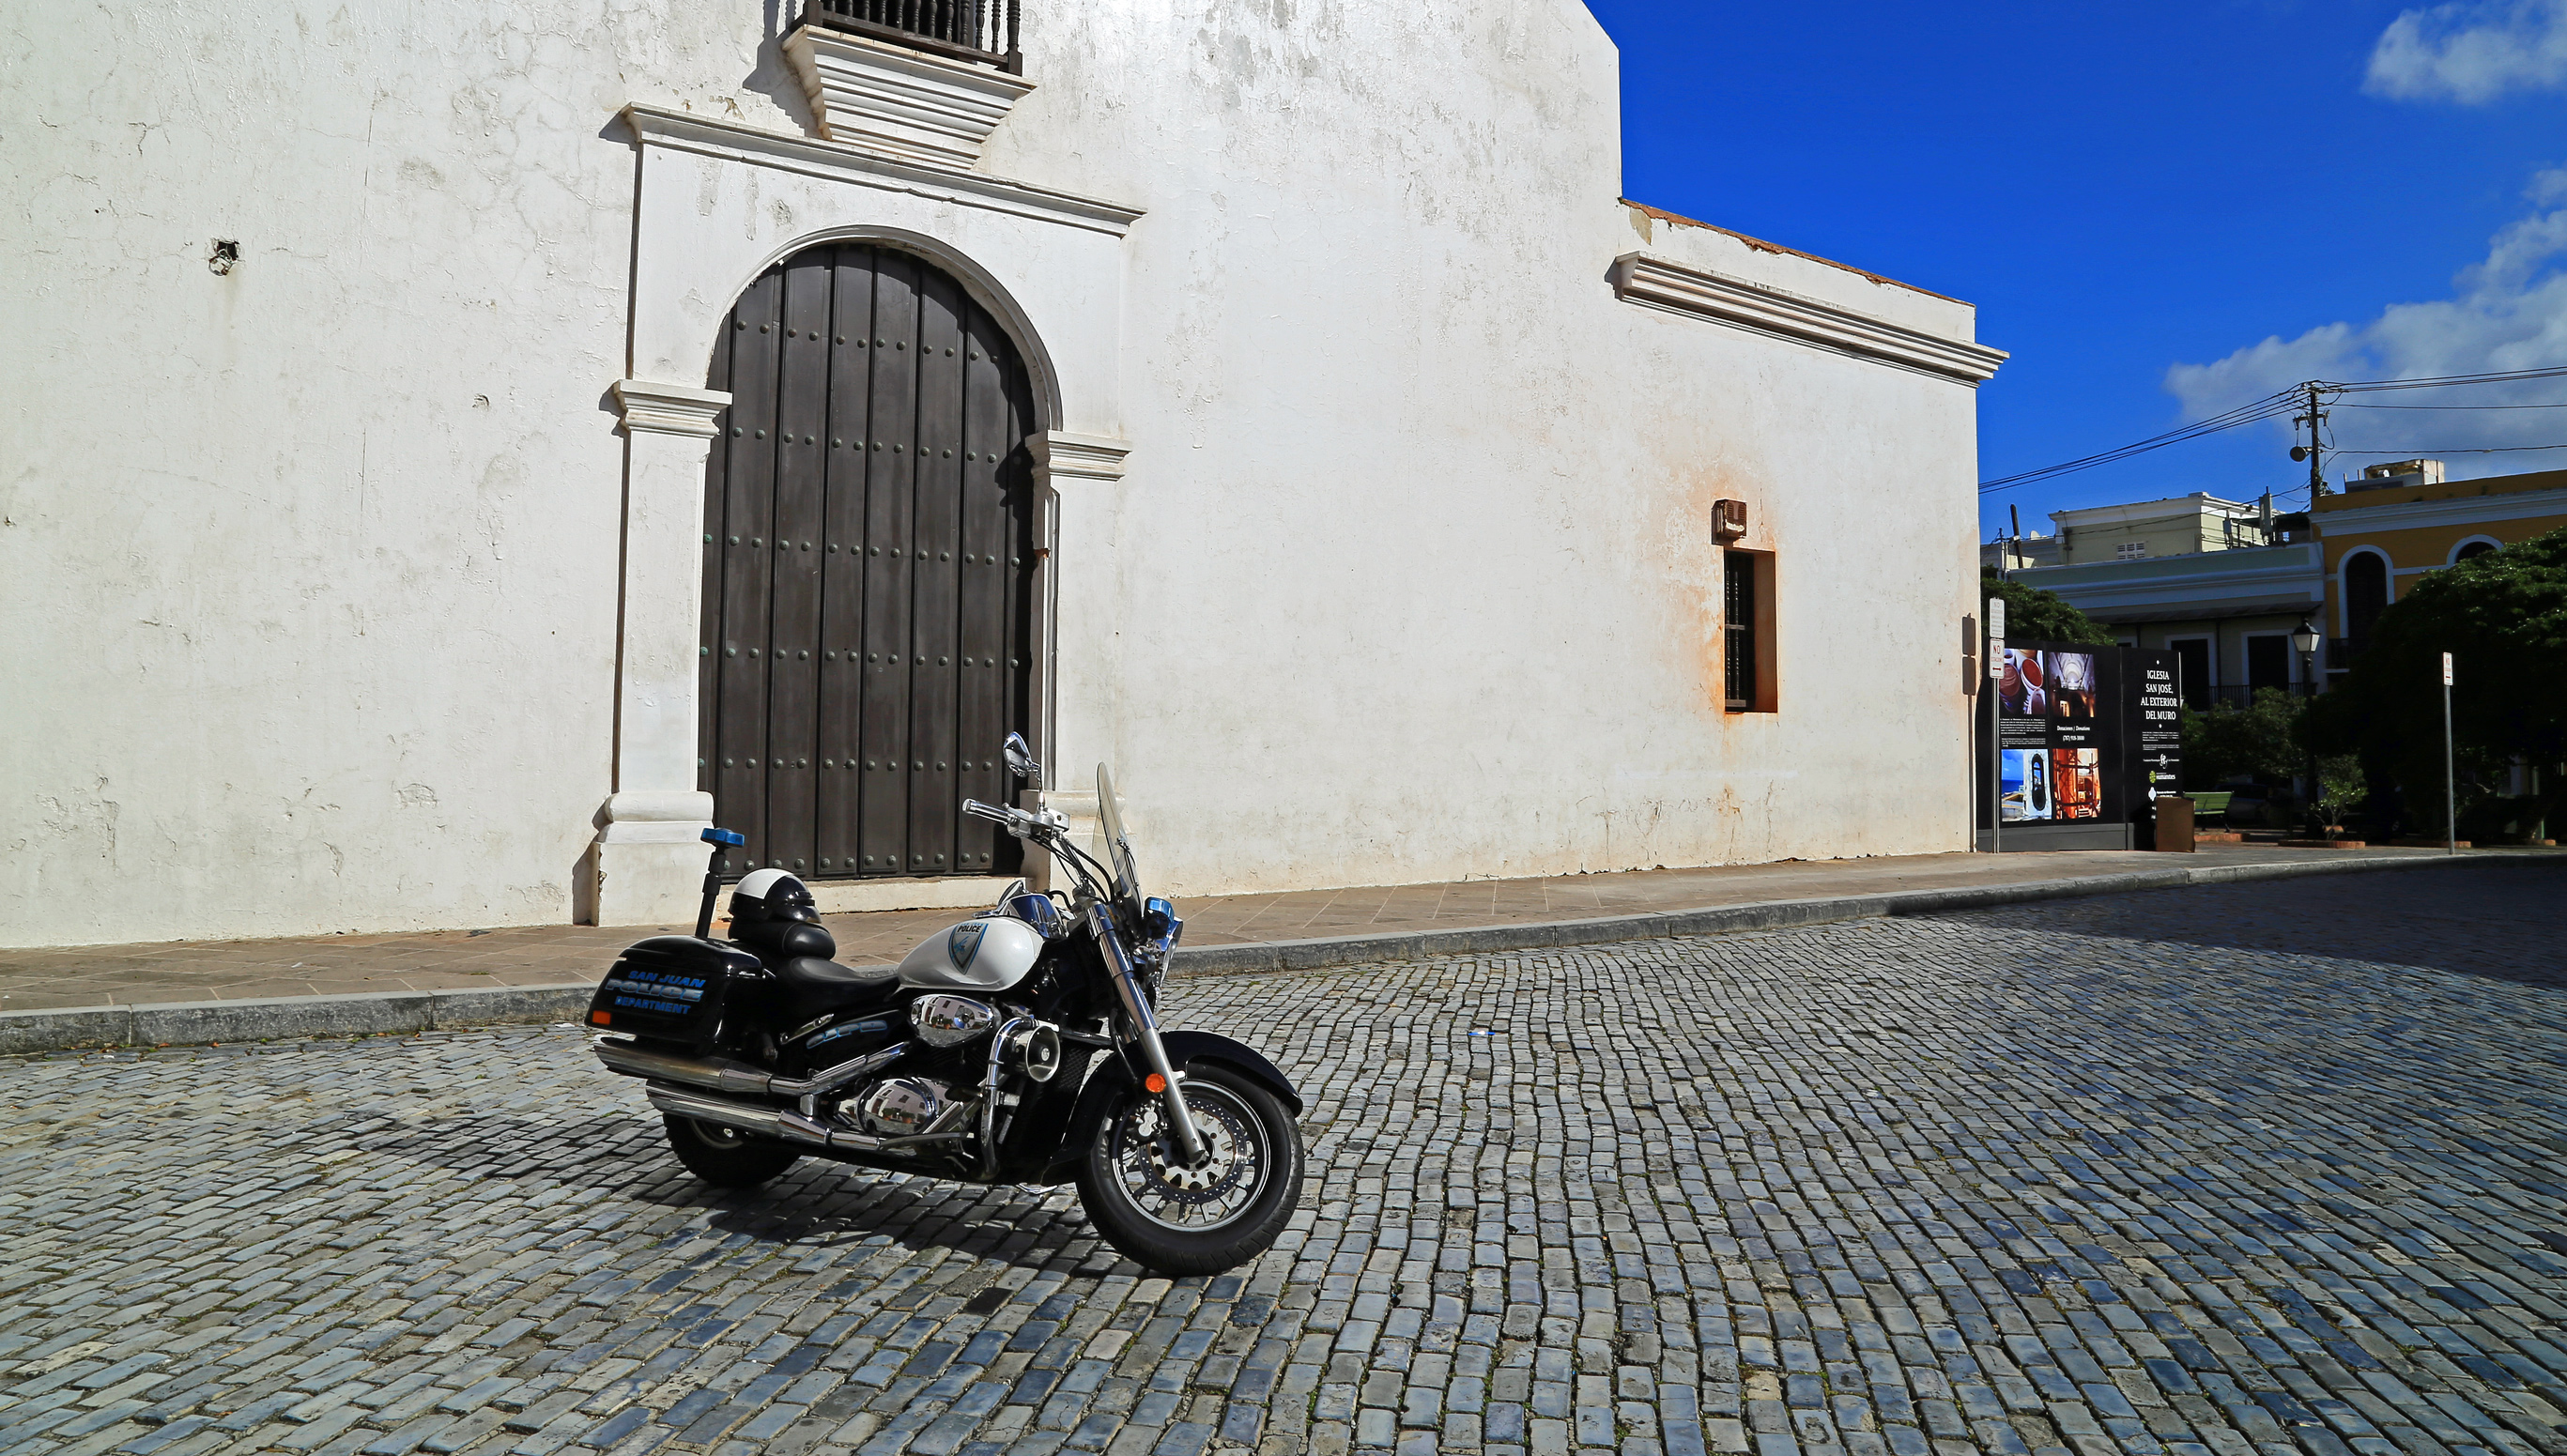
point(2450, 780)
point(1996, 751)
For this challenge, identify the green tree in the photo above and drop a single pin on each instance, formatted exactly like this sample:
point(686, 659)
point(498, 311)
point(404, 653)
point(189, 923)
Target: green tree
point(2504, 618)
point(2255, 741)
point(2034, 615)
point(2267, 740)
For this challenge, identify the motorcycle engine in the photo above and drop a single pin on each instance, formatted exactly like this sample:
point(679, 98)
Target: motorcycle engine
point(908, 1107)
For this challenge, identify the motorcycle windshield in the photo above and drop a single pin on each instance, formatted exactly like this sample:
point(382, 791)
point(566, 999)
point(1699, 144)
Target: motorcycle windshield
point(1118, 846)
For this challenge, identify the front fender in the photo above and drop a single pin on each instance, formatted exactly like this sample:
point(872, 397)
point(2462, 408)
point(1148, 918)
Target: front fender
point(1186, 1047)
point(1113, 1079)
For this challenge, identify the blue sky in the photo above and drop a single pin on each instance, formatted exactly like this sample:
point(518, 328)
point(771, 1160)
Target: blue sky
point(2160, 210)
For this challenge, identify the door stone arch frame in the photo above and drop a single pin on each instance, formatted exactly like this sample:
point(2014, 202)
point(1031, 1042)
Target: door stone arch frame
point(716, 203)
point(983, 287)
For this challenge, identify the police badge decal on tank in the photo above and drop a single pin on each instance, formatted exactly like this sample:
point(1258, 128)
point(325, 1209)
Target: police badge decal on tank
point(989, 954)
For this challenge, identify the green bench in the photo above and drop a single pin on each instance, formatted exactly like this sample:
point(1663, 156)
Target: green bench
point(2211, 806)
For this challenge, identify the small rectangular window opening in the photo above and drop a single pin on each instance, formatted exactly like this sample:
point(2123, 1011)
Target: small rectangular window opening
point(1746, 632)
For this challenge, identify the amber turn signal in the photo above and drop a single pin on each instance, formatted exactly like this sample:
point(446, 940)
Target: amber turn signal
point(601, 1019)
point(1154, 1082)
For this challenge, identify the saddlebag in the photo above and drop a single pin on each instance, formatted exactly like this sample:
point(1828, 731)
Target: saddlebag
point(669, 987)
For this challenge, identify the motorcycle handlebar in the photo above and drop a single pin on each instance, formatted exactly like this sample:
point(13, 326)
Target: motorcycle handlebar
point(1015, 821)
point(1048, 831)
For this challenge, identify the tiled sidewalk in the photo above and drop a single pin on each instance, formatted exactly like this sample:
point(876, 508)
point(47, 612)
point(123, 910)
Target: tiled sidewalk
point(193, 971)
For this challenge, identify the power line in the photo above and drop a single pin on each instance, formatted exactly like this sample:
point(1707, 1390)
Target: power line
point(2446, 381)
point(2275, 404)
point(2492, 449)
point(2270, 407)
point(2458, 406)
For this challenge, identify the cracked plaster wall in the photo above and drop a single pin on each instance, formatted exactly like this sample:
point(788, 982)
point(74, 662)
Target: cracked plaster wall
point(1411, 577)
point(311, 568)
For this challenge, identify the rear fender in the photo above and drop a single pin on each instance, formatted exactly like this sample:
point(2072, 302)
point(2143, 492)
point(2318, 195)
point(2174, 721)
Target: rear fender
point(1113, 1080)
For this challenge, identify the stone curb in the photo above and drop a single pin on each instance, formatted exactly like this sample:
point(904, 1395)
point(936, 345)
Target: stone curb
point(371, 1013)
point(359, 1013)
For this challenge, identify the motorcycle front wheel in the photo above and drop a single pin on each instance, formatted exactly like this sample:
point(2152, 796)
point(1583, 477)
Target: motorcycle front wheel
point(1201, 1220)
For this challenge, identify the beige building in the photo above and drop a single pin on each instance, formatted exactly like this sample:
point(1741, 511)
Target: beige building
point(2182, 525)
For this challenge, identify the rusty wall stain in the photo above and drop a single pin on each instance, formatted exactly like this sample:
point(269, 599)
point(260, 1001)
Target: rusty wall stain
point(1693, 576)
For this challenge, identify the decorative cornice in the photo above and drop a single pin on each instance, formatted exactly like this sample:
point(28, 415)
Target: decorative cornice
point(839, 162)
point(1658, 283)
point(654, 408)
point(915, 106)
point(1064, 456)
point(2452, 510)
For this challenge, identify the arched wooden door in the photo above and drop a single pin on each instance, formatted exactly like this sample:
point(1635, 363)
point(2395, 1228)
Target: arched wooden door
point(868, 547)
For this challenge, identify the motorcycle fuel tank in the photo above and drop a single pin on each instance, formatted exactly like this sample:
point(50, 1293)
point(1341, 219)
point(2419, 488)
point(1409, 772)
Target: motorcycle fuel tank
point(989, 954)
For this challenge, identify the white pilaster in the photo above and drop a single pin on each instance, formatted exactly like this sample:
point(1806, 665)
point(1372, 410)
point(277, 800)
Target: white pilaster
point(648, 863)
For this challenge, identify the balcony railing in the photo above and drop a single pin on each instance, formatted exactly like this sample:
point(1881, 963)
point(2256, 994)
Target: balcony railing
point(981, 32)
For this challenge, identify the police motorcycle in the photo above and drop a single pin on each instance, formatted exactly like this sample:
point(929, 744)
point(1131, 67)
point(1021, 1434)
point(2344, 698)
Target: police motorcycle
point(1020, 1046)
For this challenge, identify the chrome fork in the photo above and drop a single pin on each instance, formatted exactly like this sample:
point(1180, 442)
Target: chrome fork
point(1136, 1009)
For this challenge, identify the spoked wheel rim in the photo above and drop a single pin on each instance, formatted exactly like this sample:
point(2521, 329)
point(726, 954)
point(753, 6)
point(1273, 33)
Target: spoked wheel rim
point(1147, 1175)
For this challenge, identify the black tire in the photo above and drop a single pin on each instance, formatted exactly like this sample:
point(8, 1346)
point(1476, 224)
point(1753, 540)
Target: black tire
point(725, 1157)
point(1180, 1221)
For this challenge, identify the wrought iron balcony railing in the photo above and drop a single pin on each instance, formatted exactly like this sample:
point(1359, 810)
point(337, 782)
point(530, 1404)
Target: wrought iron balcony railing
point(981, 32)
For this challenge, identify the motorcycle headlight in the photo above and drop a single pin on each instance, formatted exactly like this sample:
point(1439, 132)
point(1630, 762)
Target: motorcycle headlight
point(951, 1021)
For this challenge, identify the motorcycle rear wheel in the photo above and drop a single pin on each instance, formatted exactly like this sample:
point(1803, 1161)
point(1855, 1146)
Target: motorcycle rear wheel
point(1184, 1221)
point(725, 1157)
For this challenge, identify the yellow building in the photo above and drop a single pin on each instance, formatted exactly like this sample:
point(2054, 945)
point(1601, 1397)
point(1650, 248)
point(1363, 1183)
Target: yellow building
point(2402, 520)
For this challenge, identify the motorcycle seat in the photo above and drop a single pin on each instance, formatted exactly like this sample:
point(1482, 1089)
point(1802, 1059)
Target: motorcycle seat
point(813, 986)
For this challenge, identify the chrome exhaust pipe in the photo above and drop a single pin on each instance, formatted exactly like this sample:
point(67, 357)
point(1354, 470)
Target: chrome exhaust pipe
point(787, 1126)
point(738, 1078)
point(773, 1122)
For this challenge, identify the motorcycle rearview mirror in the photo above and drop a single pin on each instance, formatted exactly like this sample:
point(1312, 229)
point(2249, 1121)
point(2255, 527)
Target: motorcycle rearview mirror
point(1021, 761)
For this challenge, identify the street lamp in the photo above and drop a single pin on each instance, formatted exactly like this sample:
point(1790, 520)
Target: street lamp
point(2305, 638)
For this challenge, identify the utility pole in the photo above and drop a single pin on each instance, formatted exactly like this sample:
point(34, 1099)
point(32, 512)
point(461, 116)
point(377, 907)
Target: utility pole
point(2317, 469)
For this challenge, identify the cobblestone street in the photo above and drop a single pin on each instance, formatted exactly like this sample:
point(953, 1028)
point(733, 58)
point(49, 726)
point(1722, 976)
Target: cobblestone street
point(2272, 1168)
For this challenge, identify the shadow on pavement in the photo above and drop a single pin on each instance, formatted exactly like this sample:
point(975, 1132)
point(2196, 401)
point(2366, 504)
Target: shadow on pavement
point(2505, 921)
point(817, 1201)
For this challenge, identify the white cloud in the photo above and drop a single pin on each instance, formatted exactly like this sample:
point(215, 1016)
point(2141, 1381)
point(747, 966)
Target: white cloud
point(2507, 311)
point(2471, 52)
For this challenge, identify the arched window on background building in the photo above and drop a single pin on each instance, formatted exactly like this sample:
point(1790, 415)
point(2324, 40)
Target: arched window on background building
point(2473, 548)
point(2366, 595)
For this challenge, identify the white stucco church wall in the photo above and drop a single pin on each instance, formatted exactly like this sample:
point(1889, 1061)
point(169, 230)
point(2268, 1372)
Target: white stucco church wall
point(355, 587)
